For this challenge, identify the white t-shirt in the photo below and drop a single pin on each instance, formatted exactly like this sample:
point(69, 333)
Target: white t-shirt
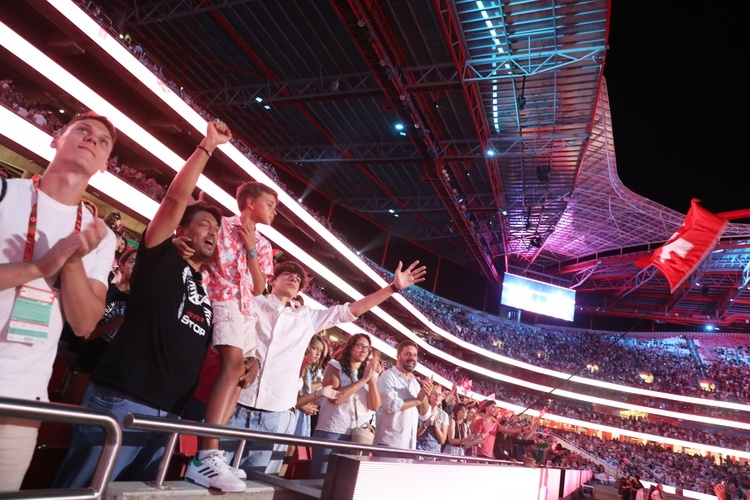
point(26, 368)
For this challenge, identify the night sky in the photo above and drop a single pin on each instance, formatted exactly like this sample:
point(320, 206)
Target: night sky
point(677, 94)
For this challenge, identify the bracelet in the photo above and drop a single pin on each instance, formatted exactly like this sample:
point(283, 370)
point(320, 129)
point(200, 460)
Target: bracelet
point(251, 253)
point(205, 149)
point(394, 288)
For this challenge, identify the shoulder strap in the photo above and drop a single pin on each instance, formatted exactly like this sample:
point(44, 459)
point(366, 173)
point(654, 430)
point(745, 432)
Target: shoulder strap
point(4, 188)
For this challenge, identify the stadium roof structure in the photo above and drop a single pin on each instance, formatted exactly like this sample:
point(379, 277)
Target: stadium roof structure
point(480, 130)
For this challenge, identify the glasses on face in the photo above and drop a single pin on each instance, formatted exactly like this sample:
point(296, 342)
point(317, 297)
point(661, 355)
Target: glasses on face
point(117, 215)
point(362, 346)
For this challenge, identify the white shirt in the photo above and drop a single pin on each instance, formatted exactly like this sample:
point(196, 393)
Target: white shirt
point(283, 336)
point(395, 427)
point(340, 418)
point(27, 368)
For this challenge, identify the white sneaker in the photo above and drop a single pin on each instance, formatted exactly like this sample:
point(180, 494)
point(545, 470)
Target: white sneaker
point(238, 473)
point(213, 472)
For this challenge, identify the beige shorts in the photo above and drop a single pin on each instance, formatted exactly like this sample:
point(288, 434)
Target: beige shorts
point(233, 328)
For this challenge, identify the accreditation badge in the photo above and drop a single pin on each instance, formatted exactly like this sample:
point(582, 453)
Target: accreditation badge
point(30, 317)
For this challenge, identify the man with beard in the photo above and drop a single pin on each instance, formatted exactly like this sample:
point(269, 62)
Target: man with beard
point(152, 366)
point(403, 400)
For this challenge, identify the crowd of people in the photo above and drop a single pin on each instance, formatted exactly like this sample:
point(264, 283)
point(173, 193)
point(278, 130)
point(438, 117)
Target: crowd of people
point(623, 360)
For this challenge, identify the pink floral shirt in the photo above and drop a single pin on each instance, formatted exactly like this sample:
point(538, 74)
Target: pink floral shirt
point(226, 275)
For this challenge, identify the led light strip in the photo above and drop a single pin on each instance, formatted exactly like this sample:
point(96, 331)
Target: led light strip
point(74, 87)
point(131, 64)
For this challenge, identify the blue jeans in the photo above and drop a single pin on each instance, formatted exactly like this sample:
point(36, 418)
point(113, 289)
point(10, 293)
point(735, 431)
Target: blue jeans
point(141, 451)
point(428, 445)
point(321, 455)
point(262, 456)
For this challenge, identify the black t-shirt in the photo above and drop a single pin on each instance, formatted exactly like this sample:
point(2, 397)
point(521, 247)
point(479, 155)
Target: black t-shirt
point(89, 353)
point(158, 353)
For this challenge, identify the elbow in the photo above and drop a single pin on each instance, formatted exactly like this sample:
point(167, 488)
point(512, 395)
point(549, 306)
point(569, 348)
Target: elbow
point(83, 329)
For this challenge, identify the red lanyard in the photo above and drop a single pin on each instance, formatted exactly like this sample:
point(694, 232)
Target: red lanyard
point(31, 233)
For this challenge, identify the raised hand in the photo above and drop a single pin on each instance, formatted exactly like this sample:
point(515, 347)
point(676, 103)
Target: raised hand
point(409, 276)
point(217, 133)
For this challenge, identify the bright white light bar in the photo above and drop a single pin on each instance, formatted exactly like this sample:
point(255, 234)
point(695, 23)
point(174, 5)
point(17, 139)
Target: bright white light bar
point(36, 59)
point(648, 437)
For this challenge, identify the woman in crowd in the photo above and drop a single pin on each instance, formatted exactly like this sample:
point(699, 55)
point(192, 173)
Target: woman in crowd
point(355, 378)
point(306, 399)
point(459, 432)
point(471, 415)
point(433, 426)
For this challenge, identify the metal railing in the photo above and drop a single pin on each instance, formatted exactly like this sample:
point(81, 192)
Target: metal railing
point(176, 427)
point(70, 414)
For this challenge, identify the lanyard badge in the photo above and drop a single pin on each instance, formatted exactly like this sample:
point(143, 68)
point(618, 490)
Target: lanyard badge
point(30, 317)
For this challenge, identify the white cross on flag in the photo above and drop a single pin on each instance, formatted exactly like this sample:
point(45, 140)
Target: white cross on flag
point(687, 248)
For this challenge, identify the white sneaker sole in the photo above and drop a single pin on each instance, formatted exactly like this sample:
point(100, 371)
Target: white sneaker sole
point(204, 482)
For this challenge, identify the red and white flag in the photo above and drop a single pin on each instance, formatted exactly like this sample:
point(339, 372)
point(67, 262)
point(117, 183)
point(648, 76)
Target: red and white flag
point(687, 248)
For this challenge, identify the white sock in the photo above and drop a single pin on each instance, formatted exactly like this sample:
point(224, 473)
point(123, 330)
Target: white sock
point(204, 454)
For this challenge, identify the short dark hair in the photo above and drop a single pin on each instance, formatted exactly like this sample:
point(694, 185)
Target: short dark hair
point(292, 267)
point(405, 343)
point(253, 189)
point(486, 404)
point(193, 209)
point(90, 115)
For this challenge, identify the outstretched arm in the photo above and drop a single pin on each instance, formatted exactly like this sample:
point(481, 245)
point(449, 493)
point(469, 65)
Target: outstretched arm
point(180, 190)
point(402, 279)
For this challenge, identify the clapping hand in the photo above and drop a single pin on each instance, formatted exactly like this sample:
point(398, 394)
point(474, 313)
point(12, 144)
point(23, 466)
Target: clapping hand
point(329, 392)
point(371, 370)
point(426, 389)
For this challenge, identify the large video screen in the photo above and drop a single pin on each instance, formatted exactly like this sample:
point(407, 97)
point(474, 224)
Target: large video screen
point(535, 296)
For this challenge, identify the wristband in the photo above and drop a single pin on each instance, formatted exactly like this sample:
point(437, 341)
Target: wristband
point(205, 149)
point(394, 288)
point(251, 253)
